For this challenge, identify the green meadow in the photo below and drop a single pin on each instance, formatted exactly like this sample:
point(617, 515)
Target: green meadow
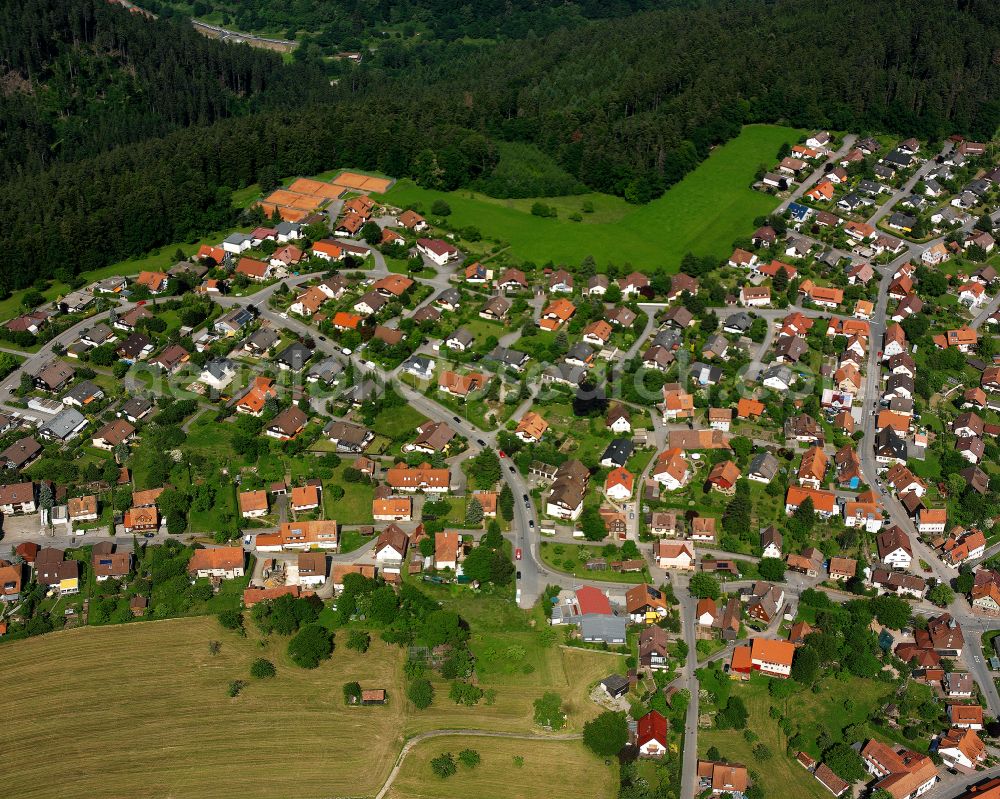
point(703, 214)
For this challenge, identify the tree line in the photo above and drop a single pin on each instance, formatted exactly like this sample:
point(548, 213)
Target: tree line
point(611, 106)
point(83, 76)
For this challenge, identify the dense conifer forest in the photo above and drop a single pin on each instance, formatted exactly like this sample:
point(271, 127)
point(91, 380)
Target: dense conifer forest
point(124, 134)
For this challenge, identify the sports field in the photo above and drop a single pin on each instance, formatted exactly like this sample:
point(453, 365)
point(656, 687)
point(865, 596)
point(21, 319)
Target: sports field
point(548, 768)
point(703, 213)
point(142, 710)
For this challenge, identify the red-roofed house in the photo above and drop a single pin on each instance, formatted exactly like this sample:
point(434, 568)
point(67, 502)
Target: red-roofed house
point(651, 735)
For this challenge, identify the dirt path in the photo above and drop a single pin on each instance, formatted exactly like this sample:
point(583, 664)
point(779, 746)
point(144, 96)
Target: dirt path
point(424, 736)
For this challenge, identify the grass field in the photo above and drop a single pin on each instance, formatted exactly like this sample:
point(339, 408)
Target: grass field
point(703, 213)
point(497, 776)
point(810, 713)
point(562, 556)
point(142, 709)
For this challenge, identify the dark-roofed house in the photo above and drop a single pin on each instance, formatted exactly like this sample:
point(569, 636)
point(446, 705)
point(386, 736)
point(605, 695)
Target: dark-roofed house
point(348, 437)
point(21, 453)
point(287, 424)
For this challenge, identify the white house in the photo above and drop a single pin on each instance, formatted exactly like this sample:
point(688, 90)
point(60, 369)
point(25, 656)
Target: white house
point(651, 735)
point(440, 252)
point(670, 555)
point(961, 750)
point(391, 549)
point(237, 243)
point(894, 548)
point(218, 374)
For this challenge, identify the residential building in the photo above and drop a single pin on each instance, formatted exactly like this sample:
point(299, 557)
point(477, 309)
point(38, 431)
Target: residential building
point(219, 562)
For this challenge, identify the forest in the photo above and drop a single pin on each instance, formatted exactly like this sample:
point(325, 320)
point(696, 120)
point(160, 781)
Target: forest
point(346, 24)
point(78, 77)
point(603, 104)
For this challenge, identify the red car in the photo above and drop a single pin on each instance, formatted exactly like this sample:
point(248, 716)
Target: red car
point(503, 454)
point(517, 553)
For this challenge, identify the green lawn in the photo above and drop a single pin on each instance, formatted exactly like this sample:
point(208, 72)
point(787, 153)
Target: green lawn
point(837, 705)
point(703, 213)
point(572, 558)
point(350, 540)
point(355, 507)
point(391, 421)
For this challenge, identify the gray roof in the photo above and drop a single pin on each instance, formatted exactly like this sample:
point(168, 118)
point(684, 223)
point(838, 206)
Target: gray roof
point(739, 321)
point(594, 626)
point(898, 158)
point(294, 355)
point(284, 228)
point(236, 238)
point(508, 357)
point(580, 351)
point(236, 318)
point(615, 682)
point(220, 368)
point(716, 343)
point(766, 465)
point(566, 372)
point(63, 423)
point(136, 407)
point(618, 451)
point(463, 336)
point(84, 391)
point(779, 371)
point(99, 333)
point(888, 441)
point(326, 369)
point(705, 374)
point(419, 363)
point(361, 392)
point(667, 338)
point(264, 338)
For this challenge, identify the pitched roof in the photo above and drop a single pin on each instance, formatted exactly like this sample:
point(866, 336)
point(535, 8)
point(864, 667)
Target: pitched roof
point(217, 558)
point(651, 727)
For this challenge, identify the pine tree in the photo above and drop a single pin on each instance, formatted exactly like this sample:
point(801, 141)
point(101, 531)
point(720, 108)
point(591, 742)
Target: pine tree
point(506, 502)
point(474, 512)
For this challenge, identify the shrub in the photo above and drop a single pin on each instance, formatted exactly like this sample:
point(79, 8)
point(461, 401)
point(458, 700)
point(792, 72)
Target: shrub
point(444, 765)
point(235, 687)
point(352, 693)
point(469, 757)
point(607, 734)
point(421, 693)
point(231, 619)
point(262, 668)
point(310, 645)
point(359, 640)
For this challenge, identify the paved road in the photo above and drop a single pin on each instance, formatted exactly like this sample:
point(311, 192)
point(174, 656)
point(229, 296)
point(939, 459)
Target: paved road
point(810, 181)
point(689, 682)
point(906, 189)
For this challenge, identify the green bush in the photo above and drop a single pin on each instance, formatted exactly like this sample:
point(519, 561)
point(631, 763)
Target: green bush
point(310, 645)
point(262, 668)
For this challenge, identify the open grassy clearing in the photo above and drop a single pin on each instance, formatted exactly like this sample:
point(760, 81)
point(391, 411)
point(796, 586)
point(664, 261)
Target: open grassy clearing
point(497, 776)
point(151, 715)
point(810, 713)
point(703, 213)
point(142, 710)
